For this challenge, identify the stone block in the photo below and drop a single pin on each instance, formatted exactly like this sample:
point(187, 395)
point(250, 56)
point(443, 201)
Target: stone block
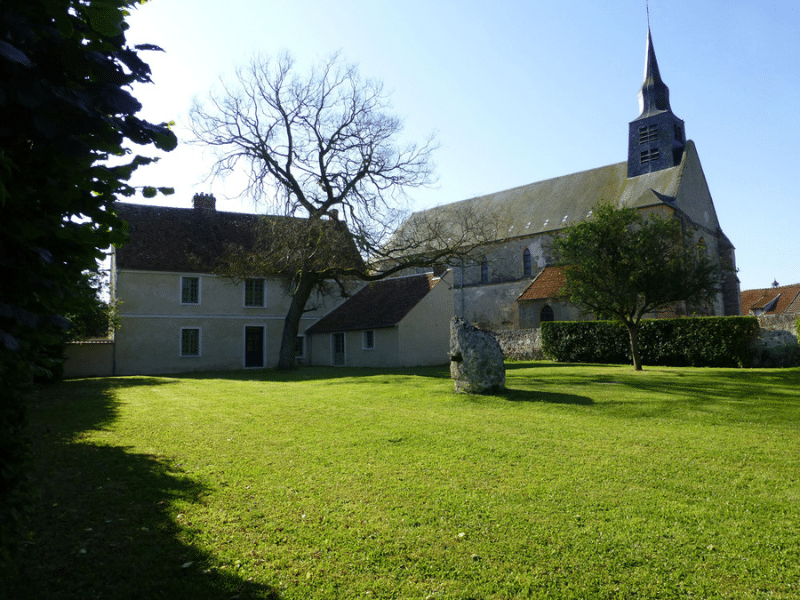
point(476, 360)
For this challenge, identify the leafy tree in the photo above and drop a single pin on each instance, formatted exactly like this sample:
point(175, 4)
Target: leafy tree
point(65, 70)
point(322, 147)
point(622, 265)
point(91, 315)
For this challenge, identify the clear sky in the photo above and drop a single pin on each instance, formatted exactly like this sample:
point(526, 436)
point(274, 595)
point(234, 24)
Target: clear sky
point(521, 91)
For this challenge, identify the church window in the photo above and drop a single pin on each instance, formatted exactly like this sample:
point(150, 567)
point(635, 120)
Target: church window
point(651, 155)
point(484, 271)
point(678, 133)
point(648, 133)
point(547, 314)
point(526, 263)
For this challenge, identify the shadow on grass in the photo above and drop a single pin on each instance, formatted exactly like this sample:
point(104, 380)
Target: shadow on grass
point(515, 395)
point(103, 525)
point(319, 374)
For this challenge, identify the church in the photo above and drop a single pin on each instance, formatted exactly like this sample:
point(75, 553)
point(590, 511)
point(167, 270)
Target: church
point(514, 283)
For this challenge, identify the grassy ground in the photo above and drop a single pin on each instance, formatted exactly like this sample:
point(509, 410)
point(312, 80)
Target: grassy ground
point(579, 482)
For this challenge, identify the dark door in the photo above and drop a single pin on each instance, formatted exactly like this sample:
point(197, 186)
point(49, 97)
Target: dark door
point(337, 341)
point(253, 346)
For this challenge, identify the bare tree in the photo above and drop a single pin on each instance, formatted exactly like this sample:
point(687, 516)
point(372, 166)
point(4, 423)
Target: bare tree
point(322, 149)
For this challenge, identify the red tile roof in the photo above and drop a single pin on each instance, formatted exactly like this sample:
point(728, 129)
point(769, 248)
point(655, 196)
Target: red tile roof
point(379, 304)
point(546, 285)
point(771, 301)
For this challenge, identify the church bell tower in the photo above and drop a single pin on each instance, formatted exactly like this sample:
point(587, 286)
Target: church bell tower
point(656, 138)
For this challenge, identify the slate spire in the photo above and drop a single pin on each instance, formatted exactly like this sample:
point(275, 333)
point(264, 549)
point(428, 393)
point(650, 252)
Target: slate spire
point(656, 137)
point(654, 95)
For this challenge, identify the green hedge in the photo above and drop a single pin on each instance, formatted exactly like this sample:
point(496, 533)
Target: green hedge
point(696, 342)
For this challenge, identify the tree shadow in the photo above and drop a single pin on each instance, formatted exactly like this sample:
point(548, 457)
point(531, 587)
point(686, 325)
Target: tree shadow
point(103, 523)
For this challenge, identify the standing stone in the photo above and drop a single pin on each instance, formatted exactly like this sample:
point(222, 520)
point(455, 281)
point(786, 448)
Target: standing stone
point(476, 360)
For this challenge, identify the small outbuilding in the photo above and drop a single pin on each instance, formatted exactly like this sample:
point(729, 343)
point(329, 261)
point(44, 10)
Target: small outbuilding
point(397, 322)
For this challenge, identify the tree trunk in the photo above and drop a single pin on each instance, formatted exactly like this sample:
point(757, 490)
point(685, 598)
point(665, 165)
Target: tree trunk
point(633, 333)
point(291, 324)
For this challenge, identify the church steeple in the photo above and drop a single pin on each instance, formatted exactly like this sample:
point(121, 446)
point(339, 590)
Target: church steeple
point(656, 137)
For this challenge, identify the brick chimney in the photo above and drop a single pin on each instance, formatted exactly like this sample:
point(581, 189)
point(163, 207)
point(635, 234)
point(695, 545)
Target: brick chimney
point(205, 202)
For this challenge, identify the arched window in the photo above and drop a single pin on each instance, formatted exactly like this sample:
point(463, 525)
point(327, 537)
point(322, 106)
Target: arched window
point(526, 263)
point(484, 271)
point(546, 314)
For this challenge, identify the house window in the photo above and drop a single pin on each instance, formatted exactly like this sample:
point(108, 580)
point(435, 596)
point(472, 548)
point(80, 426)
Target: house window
point(526, 263)
point(190, 290)
point(300, 347)
point(546, 314)
point(484, 271)
point(254, 292)
point(368, 341)
point(190, 341)
point(651, 155)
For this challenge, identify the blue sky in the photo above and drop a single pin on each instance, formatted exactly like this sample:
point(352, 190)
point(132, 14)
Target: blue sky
point(518, 92)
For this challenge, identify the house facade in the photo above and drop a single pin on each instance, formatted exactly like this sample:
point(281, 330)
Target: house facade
point(662, 174)
point(176, 314)
point(397, 322)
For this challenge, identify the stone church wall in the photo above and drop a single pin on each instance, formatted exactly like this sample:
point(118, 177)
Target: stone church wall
point(521, 344)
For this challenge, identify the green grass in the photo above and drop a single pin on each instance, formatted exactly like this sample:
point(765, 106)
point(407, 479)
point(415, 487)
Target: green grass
point(579, 482)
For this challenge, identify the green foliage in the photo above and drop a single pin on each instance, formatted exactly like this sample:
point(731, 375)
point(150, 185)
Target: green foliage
point(697, 342)
point(622, 265)
point(65, 70)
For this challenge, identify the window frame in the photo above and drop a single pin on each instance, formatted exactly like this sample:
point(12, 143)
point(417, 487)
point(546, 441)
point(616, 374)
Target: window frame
point(527, 266)
point(184, 279)
point(251, 281)
point(182, 346)
point(368, 339)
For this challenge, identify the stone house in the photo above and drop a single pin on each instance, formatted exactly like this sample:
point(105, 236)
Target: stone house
point(498, 290)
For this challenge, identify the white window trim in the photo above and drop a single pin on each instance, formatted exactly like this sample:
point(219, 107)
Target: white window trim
point(199, 343)
point(263, 296)
point(364, 345)
point(199, 290)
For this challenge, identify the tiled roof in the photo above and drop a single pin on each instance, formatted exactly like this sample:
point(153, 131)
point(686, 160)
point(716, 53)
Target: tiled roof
point(553, 204)
point(771, 301)
point(200, 239)
point(180, 239)
point(546, 285)
point(379, 304)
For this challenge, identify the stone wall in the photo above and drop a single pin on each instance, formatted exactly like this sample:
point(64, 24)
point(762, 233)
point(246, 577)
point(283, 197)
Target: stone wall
point(521, 344)
point(784, 322)
point(94, 358)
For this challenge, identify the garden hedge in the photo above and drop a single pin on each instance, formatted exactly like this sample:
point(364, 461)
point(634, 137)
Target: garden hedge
point(696, 342)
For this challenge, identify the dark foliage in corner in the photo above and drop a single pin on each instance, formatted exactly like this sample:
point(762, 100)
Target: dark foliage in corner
point(65, 70)
point(694, 342)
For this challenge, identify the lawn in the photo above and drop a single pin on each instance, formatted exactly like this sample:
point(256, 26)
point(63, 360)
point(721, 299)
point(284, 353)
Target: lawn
point(579, 482)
